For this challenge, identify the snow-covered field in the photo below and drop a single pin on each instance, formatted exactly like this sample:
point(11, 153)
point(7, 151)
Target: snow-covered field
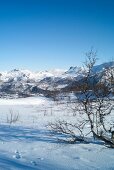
point(26, 144)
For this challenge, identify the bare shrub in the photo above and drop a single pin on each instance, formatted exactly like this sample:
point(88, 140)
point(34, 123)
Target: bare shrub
point(12, 117)
point(72, 132)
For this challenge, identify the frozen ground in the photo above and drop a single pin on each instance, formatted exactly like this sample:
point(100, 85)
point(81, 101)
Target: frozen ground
point(27, 144)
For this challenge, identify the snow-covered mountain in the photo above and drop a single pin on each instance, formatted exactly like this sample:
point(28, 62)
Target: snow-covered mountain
point(25, 82)
point(17, 74)
point(101, 67)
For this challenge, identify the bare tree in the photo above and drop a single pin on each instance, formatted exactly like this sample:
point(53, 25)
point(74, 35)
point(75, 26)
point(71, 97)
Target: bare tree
point(93, 97)
point(95, 101)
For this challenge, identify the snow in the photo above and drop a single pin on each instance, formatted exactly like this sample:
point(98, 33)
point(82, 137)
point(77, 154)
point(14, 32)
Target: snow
point(28, 145)
point(22, 101)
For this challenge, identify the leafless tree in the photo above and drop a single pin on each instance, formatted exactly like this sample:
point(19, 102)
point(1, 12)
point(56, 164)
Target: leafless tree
point(93, 97)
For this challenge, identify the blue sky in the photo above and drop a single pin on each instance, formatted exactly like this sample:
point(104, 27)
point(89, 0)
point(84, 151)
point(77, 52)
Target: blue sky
point(45, 34)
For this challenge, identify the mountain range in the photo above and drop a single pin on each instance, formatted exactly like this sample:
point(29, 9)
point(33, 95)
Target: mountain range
point(23, 83)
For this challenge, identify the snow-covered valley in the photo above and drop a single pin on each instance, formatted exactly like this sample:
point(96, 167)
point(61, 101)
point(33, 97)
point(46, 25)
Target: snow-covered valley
point(28, 144)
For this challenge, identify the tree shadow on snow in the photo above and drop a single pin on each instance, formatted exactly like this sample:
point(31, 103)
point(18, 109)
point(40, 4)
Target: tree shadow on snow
point(25, 134)
point(19, 133)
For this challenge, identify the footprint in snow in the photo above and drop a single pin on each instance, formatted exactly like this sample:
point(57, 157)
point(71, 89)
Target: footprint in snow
point(40, 159)
point(17, 155)
point(34, 163)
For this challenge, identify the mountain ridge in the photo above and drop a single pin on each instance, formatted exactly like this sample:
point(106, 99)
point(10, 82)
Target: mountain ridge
point(20, 82)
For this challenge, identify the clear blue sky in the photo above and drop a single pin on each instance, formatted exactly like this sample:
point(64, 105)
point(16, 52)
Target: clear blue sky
point(45, 34)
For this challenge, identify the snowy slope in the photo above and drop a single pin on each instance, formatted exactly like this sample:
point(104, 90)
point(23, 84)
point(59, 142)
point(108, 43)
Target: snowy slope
point(28, 145)
point(102, 67)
